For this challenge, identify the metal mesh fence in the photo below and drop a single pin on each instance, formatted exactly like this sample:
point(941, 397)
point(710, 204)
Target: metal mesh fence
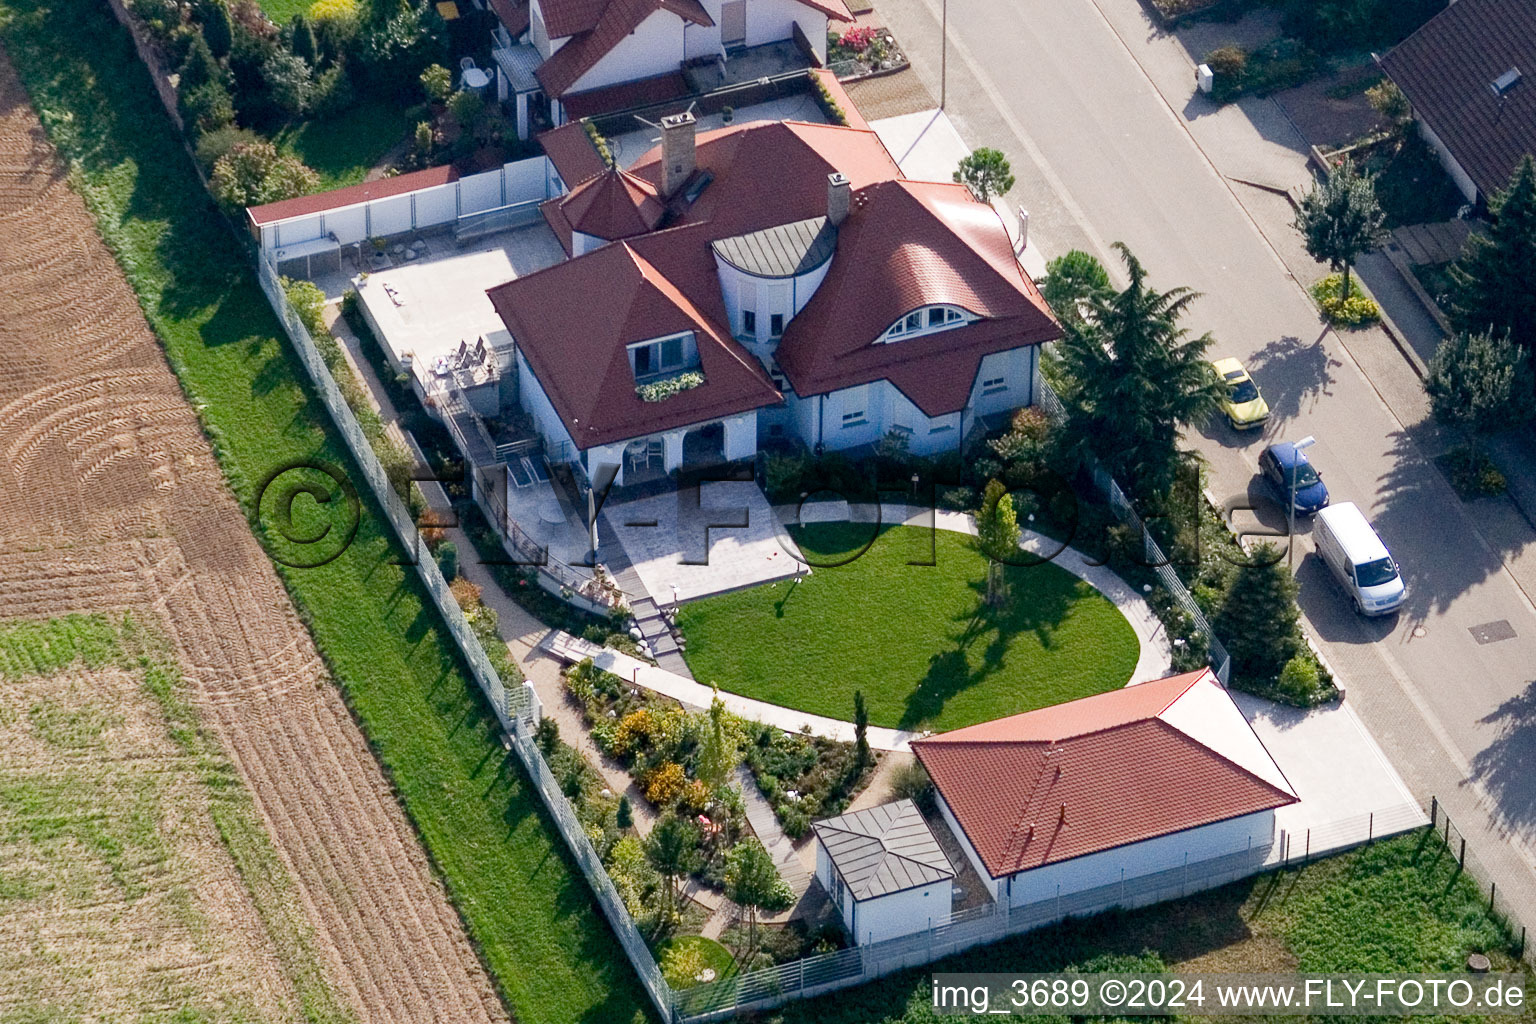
point(1120, 505)
point(509, 703)
point(1466, 858)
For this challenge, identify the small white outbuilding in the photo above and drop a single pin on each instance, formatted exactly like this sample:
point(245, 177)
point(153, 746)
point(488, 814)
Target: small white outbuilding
point(884, 871)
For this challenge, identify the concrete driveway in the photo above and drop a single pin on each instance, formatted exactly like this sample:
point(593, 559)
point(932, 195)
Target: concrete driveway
point(1108, 141)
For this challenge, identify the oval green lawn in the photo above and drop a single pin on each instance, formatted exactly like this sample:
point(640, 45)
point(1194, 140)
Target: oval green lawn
point(713, 954)
point(917, 639)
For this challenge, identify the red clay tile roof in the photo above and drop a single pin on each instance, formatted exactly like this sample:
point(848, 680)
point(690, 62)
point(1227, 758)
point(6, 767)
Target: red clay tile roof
point(917, 244)
point(642, 92)
point(1093, 774)
point(351, 195)
point(570, 149)
point(572, 322)
point(835, 9)
point(613, 205)
point(613, 23)
point(567, 17)
point(513, 15)
point(1447, 69)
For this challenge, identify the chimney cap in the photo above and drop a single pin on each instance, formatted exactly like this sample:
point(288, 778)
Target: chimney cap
point(837, 178)
point(677, 120)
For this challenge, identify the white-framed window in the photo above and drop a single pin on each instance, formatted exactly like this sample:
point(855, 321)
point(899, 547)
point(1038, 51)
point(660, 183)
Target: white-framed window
point(749, 322)
point(926, 320)
point(941, 428)
point(994, 385)
point(854, 419)
point(775, 324)
point(663, 355)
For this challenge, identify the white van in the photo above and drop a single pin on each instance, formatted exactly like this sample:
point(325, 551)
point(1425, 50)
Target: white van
point(1358, 559)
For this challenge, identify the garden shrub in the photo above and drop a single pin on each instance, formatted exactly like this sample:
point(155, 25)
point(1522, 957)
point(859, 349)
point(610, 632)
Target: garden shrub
point(332, 94)
point(253, 173)
point(447, 557)
point(206, 108)
point(213, 144)
point(309, 302)
point(1356, 311)
point(1300, 679)
point(665, 783)
point(1229, 68)
point(437, 83)
point(911, 782)
point(1473, 473)
point(960, 499)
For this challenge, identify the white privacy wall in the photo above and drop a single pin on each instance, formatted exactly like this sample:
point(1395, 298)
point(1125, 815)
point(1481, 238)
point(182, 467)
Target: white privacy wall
point(771, 20)
point(520, 182)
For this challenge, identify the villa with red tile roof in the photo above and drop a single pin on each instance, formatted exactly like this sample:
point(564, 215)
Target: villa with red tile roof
point(770, 280)
point(557, 51)
point(1108, 789)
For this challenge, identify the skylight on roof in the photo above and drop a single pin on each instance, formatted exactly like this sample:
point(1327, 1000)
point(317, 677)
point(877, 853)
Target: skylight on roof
point(1505, 82)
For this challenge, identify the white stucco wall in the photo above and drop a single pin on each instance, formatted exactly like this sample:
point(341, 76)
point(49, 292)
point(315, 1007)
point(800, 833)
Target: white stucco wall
point(771, 20)
point(766, 296)
point(653, 48)
point(557, 440)
point(1171, 851)
point(704, 40)
point(1460, 177)
point(1016, 367)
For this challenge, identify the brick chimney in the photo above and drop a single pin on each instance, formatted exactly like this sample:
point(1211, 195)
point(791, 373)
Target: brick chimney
point(677, 151)
point(839, 193)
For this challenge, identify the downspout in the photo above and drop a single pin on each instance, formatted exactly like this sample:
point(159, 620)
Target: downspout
point(821, 413)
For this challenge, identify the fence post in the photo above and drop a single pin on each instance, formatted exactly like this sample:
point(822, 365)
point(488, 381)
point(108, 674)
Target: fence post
point(1434, 811)
point(1306, 856)
point(1493, 887)
point(1462, 860)
point(1370, 828)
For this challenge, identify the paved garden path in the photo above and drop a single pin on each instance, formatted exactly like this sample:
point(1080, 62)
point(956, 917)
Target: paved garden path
point(1154, 661)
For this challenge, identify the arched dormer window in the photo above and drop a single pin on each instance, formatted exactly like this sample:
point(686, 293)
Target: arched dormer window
point(926, 320)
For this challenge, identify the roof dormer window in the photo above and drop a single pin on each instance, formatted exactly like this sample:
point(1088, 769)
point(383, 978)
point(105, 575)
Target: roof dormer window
point(927, 320)
point(663, 355)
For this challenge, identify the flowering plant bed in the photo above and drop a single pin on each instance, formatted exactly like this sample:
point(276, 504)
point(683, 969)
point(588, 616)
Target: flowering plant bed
point(666, 387)
point(864, 51)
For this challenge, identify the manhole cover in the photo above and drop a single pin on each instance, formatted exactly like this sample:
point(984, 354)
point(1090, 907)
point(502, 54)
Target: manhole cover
point(1420, 632)
point(1493, 632)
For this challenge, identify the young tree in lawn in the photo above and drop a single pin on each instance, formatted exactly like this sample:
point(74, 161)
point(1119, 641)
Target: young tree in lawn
point(997, 534)
point(861, 755)
point(673, 850)
point(624, 817)
point(1478, 382)
point(1136, 379)
point(752, 881)
point(986, 173)
point(1340, 220)
point(1495, 278)
point(1258, 615)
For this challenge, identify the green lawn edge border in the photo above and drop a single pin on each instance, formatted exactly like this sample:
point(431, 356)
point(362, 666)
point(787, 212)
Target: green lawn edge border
point(114, 157)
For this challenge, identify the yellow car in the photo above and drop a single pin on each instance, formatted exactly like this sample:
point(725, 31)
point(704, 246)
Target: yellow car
point(1244, 406)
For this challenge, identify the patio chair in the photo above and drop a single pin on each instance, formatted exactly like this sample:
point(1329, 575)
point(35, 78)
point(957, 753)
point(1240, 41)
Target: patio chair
point(636, 457)
point(466, 63)
point(656, 450)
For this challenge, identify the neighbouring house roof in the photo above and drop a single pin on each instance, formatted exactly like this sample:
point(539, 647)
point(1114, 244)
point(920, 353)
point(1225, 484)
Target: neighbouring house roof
point(834, 9)
point(613, 205)
point(1448, 68)
point(337, 198)
point(917, 244)
point(597, 29)
point(642, 92)
point(883, 850)
point(513, 15)
point(1102, 772)
point(573, 327)
point(571, 150)
point(783, 250)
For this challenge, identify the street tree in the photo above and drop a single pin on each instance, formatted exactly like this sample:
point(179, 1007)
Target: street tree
point(1341, 220)
point(672, 849)
point(986, 173)
point(1072, 281)
point(1477, 382)
point(1258, 616)
point(1136, 379)
point(752, 881)
point(1494, 281)
point(997, 534)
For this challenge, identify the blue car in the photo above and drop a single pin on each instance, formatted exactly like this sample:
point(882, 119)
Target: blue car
point(1277, 464)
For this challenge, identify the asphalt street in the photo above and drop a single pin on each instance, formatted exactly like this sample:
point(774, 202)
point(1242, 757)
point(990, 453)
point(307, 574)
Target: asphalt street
point(1070, 90)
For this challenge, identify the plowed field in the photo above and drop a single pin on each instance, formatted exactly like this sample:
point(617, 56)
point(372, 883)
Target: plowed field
point(110, 498)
